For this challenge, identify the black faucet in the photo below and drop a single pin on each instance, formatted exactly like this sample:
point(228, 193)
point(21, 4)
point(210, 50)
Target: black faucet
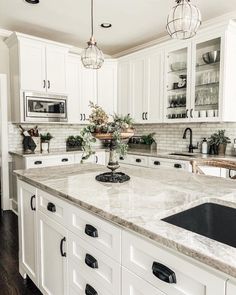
point(191, 147)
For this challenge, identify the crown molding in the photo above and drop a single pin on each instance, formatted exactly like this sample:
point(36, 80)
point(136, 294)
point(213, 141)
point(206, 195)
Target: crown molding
point(5, 33)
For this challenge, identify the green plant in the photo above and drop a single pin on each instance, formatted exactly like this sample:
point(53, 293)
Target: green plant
point(74, 141)
point(148, 139)
point(219, 138)
point(46, 137)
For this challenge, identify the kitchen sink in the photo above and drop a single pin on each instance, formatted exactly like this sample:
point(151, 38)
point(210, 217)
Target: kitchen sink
point(183, 155)
point(211, 220)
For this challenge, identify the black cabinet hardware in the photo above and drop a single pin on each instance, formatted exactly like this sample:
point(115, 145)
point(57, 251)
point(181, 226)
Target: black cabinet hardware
point(51, 207)
point(146, 116)
point(122, 158)
point(31, 203)
point(63, 254)
point(38, 162)
point(96, 159)
point(138, 160)
point(143, 116)
point(65, 160)
point(91, 261)
point(84, 117)
point(49, 84)
point(89, 290)
point(191, 113)
point(81, 117)
point(178, 166)
point(163, 273)
point(44, 83)
point(91, 231)
point(187, 113)
point(157, 163)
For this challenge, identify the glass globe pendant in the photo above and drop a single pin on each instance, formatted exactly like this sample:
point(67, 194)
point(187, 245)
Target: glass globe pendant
point(92, 57)
point(184, 20)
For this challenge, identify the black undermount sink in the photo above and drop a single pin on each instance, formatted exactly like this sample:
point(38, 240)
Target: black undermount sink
point(211, 220)
point(183, 155)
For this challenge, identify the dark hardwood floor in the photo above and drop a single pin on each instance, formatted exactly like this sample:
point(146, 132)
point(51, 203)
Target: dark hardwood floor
point(11, 282)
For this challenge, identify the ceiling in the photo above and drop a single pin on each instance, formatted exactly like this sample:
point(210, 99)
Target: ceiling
point(134, 21)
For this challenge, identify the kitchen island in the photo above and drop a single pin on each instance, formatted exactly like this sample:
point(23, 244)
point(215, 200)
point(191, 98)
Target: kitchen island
point(121, 225)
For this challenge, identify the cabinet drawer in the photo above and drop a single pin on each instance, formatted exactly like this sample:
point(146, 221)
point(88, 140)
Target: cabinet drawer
point(168, 163)
point(79, 283)
point(101, 234)
point(94, 264)
point(52, 206)
point(48, 161)
point(136, 160)
point(133, 285)
point(150, 262)
point(98, 158)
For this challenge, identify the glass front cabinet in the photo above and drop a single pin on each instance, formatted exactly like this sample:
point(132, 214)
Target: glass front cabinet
point(200, 79)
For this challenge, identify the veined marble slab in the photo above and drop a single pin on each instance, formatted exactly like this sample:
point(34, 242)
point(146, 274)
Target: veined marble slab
point(141, 203)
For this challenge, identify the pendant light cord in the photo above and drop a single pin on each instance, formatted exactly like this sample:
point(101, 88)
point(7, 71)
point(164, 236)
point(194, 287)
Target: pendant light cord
point(91, 18)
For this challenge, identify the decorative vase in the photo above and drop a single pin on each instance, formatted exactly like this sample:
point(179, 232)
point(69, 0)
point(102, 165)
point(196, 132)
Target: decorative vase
point(45, 147)
point(222, 149)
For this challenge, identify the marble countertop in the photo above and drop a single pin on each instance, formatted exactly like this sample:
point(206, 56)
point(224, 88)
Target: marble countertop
point(140, 204)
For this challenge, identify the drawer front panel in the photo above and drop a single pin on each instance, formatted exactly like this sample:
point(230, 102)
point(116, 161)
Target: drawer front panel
point(136, 160)
point(48, 161)
point(168, 163)
point(94, 264)
point(79, 282)
point(133, 285)
point(153, 263)
point(52, 206)
point(101, 234)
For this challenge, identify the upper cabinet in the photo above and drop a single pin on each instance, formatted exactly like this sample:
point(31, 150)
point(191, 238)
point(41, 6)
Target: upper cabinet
point(85, 86)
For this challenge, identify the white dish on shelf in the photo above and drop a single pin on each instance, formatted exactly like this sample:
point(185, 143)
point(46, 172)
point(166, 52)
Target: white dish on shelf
point(178, 66)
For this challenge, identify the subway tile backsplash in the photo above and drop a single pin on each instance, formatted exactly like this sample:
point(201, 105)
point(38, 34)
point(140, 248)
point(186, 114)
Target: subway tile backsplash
point(168, 136)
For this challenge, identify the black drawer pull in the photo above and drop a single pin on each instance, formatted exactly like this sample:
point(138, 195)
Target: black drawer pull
point(38, 162)
point(138, 160)
point(51, 207)
point(91, 231)
point(178, 166)
point(63, 254)
point(65, 160)
point(122, 158)
point(163, 273)
point(91, 261)
point(31, 203)
point(89, 290)
point(157, 163)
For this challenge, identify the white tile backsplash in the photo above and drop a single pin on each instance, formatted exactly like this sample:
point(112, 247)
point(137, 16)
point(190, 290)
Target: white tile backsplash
point(168, 136)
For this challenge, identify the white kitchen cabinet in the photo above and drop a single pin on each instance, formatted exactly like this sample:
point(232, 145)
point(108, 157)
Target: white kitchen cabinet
point(231, 288)
point(97, 158)
point(133, 285)
point(52, 239)
point(124, 88)
point(27, 231)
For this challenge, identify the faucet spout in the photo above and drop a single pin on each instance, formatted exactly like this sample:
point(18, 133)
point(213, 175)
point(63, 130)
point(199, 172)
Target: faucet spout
point(191, 147)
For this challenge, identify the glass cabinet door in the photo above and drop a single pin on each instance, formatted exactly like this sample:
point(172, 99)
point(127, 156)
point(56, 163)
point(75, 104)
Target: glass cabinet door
point(177, 85)
point(207, 77)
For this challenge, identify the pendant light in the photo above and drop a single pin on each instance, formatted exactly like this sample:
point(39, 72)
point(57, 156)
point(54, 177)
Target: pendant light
point(184, 20)
point(92, 57)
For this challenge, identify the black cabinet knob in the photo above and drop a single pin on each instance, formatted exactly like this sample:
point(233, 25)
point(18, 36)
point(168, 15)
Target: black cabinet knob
point(65, 160)
point(163, 273)
point(38, 162)
point(91, 261)
point(178, 166)
point(138, 160)
point(157, 163)
point(51, 207)
point(91, 231)
point(89, 290)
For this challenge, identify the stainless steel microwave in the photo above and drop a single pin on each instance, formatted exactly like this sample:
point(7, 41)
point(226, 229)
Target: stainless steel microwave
point(45, 108)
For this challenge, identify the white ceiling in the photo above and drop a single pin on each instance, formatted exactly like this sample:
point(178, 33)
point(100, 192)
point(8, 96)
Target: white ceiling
point(134, 21)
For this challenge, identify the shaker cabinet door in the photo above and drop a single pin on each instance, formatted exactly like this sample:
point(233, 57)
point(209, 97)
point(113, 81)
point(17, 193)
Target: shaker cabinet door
point(231, 288)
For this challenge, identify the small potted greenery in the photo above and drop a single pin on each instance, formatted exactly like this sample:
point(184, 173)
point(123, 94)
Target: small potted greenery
point(218, 141)
point(45, 140)
point(74, 143)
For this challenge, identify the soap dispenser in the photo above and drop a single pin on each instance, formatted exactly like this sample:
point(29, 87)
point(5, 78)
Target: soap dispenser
point(204, 146)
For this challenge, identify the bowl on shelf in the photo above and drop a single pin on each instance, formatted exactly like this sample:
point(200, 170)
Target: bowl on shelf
point(178, 66)
point(211, 57)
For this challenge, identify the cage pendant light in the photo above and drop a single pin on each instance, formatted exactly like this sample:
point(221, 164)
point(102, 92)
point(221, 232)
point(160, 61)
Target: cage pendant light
point(184, 20)
point(92, 57)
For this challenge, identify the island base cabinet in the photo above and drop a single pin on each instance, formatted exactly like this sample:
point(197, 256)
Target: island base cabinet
point(27, 233)
point(133, 285)
point(52, 256)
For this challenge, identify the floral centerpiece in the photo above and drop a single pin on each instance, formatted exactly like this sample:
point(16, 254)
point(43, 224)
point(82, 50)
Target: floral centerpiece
point(117, 131)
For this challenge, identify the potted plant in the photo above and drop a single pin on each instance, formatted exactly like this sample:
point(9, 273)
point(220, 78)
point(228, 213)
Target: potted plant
point(45, 140)
point(218, 141)
point(117, 131)
point(74, 143)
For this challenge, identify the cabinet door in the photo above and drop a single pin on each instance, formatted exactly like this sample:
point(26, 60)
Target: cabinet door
point(88, 92)
point(73, 86)
point(32, 66)
point(56, 59)
point(124, 96)
point(27, 230)
point(138, 89)
point(231, 288)
point(52, 247)
point(107, 87)
point(153, 100)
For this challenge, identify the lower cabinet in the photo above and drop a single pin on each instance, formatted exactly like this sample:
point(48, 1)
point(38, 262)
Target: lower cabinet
point(52, 239)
